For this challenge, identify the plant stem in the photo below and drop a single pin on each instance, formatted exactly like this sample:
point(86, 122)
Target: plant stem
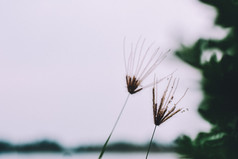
point(151, 142)
point(105, 145)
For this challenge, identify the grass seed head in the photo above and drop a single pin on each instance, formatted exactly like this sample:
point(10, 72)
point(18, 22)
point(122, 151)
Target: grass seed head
point(140, 64)
point(164, 112)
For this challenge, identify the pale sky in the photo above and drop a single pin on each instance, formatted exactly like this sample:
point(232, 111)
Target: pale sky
point(62, 73)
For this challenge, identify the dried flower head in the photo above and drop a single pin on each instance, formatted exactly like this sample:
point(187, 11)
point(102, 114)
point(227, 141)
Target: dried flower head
point(138, 66)
point(162, 112)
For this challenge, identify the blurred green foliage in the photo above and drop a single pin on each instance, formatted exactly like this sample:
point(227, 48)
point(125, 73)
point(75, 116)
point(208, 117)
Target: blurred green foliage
point(220, 88)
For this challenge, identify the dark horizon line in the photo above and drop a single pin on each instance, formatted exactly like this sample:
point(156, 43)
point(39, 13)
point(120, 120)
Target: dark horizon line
point(46, 146)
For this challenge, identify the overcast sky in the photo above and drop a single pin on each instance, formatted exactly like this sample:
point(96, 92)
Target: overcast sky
point(62, 73)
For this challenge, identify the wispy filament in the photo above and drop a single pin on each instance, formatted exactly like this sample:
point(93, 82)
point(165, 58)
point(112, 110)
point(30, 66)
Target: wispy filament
point(139, 65)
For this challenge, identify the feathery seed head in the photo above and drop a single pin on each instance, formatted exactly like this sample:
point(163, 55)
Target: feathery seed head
point(162, 112)
point(139, 64)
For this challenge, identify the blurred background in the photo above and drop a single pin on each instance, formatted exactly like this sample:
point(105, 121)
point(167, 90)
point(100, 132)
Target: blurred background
point(62, 80)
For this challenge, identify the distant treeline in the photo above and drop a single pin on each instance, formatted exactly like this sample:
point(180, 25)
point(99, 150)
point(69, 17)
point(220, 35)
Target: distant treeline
point(40, 146)
point(54, 147)
point(128, 147)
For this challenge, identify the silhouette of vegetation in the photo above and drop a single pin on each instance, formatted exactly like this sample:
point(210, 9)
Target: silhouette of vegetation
point(5, 147)
point(219, 85)
point(40, 146)
point(127, 147)
point(47, 146)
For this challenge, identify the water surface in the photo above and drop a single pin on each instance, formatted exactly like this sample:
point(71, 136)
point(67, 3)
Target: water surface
point(90, 156)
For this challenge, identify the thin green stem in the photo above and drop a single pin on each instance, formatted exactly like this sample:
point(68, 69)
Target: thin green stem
point(151, 142)
point(119, 116)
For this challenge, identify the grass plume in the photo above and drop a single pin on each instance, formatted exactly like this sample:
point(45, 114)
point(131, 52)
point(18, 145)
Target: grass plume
point(162, 111)
point(138, 65)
